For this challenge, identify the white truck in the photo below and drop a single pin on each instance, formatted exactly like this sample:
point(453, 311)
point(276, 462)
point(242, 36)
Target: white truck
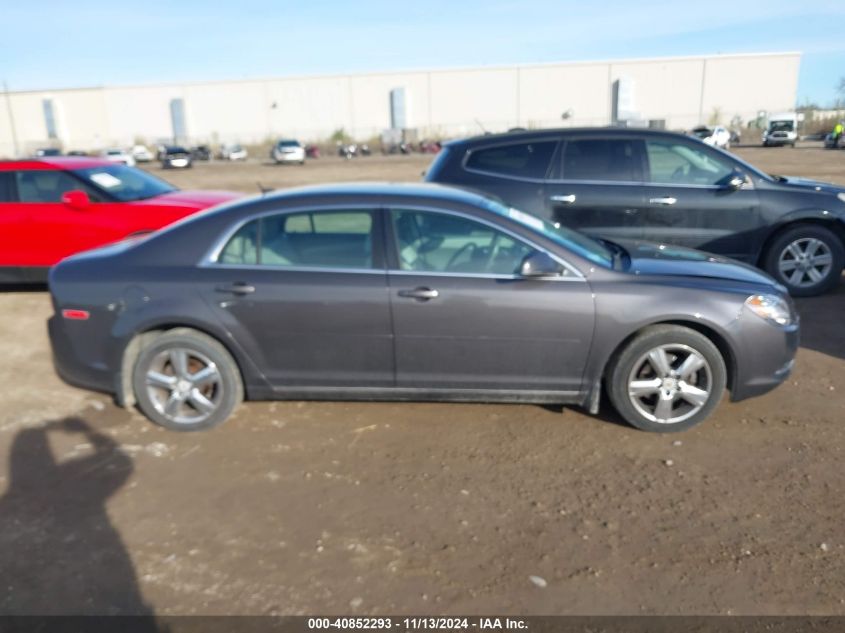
point(782, 129)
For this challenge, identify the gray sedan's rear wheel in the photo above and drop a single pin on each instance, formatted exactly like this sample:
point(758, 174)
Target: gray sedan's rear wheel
point(807, 259)
point(186, 381)
point(668, 378)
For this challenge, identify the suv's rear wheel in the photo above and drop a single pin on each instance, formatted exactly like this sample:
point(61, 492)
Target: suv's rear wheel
point(807, 259)
point(668, 378)
point(186, 381)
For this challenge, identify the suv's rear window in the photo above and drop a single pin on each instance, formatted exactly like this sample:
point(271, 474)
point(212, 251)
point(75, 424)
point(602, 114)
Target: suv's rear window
point(523, 160)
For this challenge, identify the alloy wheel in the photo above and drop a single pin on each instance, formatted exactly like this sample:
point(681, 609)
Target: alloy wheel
point(805, 262)
point(670, 383)
point(184, 385)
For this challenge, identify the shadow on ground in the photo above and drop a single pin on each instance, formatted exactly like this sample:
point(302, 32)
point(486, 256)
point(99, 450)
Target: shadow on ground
point(821, 322)
point(59, 552)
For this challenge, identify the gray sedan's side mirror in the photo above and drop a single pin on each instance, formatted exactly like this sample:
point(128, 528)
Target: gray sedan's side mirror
point(539, 264)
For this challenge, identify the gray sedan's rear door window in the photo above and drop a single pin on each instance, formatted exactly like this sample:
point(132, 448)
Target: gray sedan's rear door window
point(323, 239)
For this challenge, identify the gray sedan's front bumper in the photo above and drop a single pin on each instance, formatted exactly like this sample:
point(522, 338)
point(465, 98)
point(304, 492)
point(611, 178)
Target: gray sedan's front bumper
point(765, 356)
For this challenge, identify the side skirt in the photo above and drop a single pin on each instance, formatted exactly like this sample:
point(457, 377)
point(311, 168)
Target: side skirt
point(401, 394)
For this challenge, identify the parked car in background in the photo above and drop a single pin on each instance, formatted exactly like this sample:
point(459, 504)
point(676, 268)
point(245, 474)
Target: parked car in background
point(717, 136)
point(736, 137)
point(347, 150)
point(116, 155)
point(665, 187)
point(782, 129)
point(233, 152)
point(830, 142)
point(176, 157)
point(54, 207)
point(413, 292)
point(77, 152)
point(288, 151)
point(141, 154)
point(48, 151)
point(201, 152)
point(430, 147)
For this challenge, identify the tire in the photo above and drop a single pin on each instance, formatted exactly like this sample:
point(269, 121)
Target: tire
point(199, 404)
point(817, 245)
point(690, 396)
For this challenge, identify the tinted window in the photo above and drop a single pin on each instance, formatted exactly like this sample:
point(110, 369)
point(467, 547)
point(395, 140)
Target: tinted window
point(671, 162)
point(600, 159)
point(124, 183)
point(45, 185)
point(438, 242)
point(7, 187)
point(525, 160)
point(335, 239)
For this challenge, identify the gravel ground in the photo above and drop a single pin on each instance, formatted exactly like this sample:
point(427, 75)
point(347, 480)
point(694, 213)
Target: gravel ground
point(360, 508)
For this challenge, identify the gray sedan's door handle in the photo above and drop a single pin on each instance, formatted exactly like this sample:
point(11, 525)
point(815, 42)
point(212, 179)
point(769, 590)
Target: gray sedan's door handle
point(567, 199)
point(421, 294)
point(238, 288)
point(668, 200)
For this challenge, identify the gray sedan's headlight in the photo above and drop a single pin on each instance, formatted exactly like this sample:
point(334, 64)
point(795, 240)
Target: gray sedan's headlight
point(772, 308)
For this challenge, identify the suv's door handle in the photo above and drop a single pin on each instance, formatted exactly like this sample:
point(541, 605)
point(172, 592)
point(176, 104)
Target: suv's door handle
point(567, 199)
point(422, 294)
point(238, 288)
point(668, 200)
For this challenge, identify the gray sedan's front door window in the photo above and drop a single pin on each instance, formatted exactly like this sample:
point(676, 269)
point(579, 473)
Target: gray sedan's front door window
point(434, 242)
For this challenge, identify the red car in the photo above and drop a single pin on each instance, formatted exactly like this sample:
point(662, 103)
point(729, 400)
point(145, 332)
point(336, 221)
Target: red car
point(53, 207)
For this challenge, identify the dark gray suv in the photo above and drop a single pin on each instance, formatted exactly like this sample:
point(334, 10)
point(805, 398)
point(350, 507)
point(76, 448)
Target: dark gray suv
point(663, 187)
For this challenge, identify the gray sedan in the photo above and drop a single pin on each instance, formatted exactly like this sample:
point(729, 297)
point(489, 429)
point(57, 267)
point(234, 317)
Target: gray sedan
point(412, 292)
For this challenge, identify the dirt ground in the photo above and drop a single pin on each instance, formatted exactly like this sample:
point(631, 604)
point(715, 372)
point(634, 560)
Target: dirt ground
point(372, 508)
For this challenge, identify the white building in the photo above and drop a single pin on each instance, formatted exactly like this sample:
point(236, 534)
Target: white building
point(677, 92)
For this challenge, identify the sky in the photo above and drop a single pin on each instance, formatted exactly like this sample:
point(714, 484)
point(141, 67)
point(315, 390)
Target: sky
point(70, 43)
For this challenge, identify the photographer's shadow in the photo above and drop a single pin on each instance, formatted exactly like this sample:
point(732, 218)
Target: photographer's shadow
point(59, 552)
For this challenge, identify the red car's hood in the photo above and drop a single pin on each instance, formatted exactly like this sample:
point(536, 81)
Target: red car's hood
point(191, 199)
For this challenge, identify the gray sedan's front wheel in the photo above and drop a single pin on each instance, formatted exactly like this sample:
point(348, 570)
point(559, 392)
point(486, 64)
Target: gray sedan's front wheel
point(668, 378)
point(186, 381)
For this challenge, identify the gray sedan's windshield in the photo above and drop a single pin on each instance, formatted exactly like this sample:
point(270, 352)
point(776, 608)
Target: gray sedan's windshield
point(124, 183)
point(579, 243)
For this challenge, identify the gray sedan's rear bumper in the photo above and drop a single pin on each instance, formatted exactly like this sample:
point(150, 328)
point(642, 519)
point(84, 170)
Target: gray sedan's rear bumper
point(70, 367)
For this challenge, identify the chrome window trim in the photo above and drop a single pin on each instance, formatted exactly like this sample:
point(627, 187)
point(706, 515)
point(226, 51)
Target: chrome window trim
point(301, 269)
point(423, 273)
point(494, 174)
point(634, 183)
point(209, 260)
point(577, 274)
